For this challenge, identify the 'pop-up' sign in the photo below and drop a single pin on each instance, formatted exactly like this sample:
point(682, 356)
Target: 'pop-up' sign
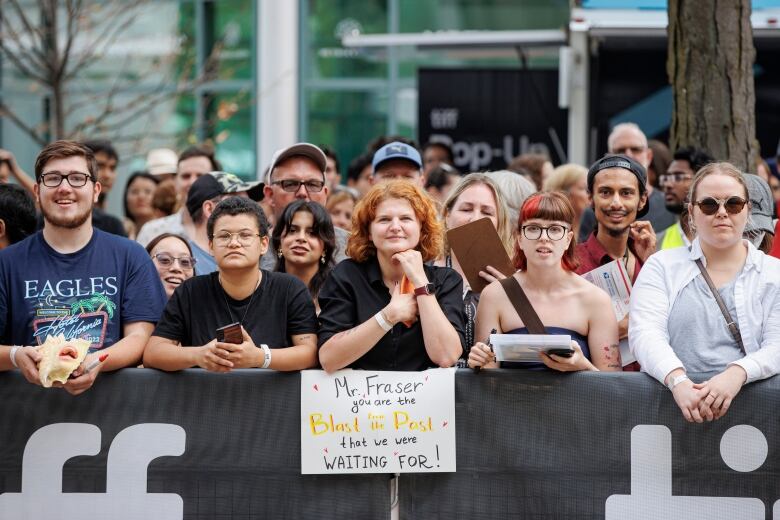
point(377, 422)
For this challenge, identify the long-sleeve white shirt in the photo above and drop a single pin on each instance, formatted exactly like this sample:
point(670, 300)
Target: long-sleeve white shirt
point(757, 301)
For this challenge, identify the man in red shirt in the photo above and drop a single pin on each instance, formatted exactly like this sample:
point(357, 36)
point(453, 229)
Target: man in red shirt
point(617, 187)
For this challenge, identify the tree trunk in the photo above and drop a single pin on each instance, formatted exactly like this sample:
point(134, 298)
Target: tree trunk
point(710, 67)
point(49, 17)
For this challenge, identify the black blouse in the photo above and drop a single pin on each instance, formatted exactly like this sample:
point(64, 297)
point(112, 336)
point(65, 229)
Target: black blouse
point(355, 292)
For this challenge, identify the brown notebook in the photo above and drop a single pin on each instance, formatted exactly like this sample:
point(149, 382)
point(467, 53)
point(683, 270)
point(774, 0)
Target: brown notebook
point(478, 245)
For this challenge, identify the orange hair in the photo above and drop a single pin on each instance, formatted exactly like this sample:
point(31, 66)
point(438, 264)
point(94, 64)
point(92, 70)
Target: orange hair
point(359, 246)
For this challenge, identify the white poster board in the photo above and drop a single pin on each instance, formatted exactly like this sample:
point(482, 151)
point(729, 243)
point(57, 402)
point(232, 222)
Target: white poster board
point(358, 421)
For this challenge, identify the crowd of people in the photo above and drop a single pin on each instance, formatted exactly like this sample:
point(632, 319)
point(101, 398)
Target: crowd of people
point(305, 268)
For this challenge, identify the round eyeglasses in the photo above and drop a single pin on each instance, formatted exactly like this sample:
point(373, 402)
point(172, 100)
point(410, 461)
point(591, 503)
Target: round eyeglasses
point(554, 232)
point(245, 238)
point(166, 260)
point(711, 205)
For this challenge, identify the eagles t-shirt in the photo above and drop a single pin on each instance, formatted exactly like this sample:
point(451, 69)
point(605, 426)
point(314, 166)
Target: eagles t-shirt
point(280, 307)
point(90, 294)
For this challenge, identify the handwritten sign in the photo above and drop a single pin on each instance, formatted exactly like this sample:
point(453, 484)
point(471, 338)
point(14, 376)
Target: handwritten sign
point(378, 422)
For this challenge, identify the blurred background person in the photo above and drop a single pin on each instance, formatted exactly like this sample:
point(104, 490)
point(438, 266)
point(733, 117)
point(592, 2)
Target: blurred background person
point(760, 229)
point(440, 180)
point(172, 256)
point(436, 153)
point(107, 161)
point(332, 168)
point(662, 158)
point(475, 197)
point(165, 202)
point(138, 208)
point(341, 206)
point(515, 188)
point(17, 214)
point(359, 174)
point(536, 165)
point(162, 163)
point(572, 179)
point(305, 242)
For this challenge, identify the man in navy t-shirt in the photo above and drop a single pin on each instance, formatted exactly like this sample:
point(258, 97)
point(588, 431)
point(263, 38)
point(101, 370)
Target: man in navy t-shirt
point(73, 279)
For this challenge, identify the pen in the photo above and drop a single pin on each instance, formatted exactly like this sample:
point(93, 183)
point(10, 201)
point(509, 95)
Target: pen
point(95, 363)
point(493, 331)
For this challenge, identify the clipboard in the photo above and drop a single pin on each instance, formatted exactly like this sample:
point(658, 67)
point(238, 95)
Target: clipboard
point(478, 245)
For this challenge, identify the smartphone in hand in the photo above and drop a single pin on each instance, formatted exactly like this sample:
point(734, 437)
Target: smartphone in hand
point(230, 334)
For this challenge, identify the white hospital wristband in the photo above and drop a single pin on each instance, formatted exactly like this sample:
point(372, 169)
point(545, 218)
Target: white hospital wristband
point(266, 355)
point(12, 354)
point(380, 319)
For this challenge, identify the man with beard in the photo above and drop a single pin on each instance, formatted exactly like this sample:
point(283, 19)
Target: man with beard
point(617, 189)
point(74, 280)
point(676, 183)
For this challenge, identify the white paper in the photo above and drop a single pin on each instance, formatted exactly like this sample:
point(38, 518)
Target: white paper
point(526, 347)
point(613, 279)
point(377, 422)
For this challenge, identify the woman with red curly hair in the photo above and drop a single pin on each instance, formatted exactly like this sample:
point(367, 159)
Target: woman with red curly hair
point(384, 308)
point(565, 303)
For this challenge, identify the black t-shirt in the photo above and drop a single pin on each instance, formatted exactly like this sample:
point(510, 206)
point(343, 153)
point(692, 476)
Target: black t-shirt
point(354, 292)
point(281, 307)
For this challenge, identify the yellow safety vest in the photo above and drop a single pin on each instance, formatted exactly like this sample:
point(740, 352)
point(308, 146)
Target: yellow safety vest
point(672, 237)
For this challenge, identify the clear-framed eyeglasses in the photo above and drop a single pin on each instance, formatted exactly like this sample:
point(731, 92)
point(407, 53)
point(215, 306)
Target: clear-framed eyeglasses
point(244, 238)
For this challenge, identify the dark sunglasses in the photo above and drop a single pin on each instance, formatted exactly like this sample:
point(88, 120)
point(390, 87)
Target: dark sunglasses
point(711, 205)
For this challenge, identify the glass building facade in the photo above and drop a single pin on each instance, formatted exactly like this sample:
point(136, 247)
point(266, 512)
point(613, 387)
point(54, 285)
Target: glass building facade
point(182, 72)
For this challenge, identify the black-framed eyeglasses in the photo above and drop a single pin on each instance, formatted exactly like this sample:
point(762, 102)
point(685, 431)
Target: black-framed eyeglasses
point(75, 179)
point(292, 186)
point(711, 205)
point(674, 178)
point(166, 260)
point(534, 232)
point(245, 238)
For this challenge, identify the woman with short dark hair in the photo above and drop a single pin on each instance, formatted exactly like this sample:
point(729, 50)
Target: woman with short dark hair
point(239, 316)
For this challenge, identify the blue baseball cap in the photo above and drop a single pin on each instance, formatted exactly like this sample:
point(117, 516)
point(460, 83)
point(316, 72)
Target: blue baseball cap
point(396, 150)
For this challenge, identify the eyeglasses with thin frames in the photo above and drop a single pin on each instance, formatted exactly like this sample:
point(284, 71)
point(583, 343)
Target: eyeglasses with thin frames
point(244, 238)
point(166, 260)
point(670, 178)
point(534, 232)
point(75, 179)
point(291, 186)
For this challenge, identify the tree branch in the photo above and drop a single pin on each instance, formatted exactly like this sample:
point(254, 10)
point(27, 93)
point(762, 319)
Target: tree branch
point(32, 132)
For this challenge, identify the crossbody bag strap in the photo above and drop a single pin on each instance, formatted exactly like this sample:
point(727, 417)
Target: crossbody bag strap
point(523, 307)
point(733, 328)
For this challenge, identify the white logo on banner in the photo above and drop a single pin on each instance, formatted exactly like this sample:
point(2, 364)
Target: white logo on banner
point(50, 447)
point(743, 448)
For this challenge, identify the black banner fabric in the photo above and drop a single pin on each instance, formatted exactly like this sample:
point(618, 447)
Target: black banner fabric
point(529, 445)
point(559, 446)
point(242, 454)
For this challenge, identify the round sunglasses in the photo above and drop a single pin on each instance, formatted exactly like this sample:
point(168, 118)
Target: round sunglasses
point(711, 205)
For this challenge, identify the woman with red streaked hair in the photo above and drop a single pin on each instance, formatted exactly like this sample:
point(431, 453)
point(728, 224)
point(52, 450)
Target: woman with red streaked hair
point(383, 308)
point(565, 302)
